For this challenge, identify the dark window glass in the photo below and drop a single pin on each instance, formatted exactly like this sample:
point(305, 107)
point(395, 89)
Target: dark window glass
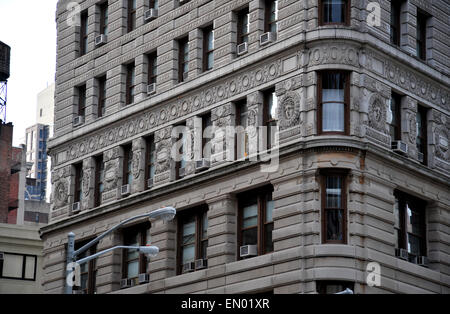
point(84, 33)
point(206, 135)
point(130, 84)
point(208, 48)
point(421, 126)
point(332, 287)
point(333, 12)
point(395, 117)
point(183, 58)
point(151, 71)
point(82, 100)
point(127, 161)
point(135, 263)
point(153, 4)
point(334, 208)
point(78, 182)
point(104, 18)
point(421, 35)
point(181, 163)
point(395, 22)
point(270, 115)
point(88, 271)
point(131, 15)
point(243, 26)
point(271, 16)
point(150, 158)
point(99, 179)
point(101, 96)
point(242, 145)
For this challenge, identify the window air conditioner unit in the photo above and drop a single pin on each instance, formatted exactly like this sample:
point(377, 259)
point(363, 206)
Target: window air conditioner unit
point(150, 183)
point(399, 147)
point(126, 283)
point(151, 89)
point(242, 49)
point(267, 38)
point(201, 264)
point(125, 190)
point(188, 267)
point(100, 40)
point(144, 278)
point(76, 207)
point(150, 15)
point(78, 120)
point(182, 172)
point(185, 76)
point(402, 253)
point(202, 164)
point(248, 251)
point(420, 157)
point(422, 261)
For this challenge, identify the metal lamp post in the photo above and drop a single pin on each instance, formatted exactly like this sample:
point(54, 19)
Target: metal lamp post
point(166, 214)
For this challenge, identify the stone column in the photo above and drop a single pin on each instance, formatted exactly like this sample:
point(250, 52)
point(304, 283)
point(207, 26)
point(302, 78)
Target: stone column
point(138, 165)
point(164, 162)
point(88, 184)
point(113, 176)
point(163, 236)
point(225, 30)
point(222, 228)
point(223, 119)
point(409, 129)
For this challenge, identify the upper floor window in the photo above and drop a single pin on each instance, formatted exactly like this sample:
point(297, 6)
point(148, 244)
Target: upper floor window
point(395, 117)
point(183, 59)
point(88, 271)
point(81, 100)
point(127, 164)
point(206, 135)
point(104, 18)
point(78, 182)
point(421, 34)
point(101, 96)
point(152, 68)
point(150, 159)
point(333, 96)
point(193, 237)
point(410, 227)
point(421, 139)
point(153, 4)
point(135, 263)
point(334, 12)
point(99, 179)
point(242, 145)
point(84, 33)
point(395, 24)
point(208, 48)
point(271, 16)
point(18, 266)
point(255, 219)
point(243, 26)
point(334, 207)
point(131, 8)
point(130, 83)
point(270, 115)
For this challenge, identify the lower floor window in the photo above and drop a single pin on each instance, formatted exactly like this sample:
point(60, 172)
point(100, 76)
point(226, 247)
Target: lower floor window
point(332, 287)
point(135, 263)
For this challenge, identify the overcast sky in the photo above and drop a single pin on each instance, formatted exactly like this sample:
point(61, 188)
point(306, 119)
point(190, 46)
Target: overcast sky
point(29, 28)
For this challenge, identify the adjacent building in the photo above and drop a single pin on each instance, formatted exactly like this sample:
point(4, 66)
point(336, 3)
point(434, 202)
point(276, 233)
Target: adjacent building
point(299, 141)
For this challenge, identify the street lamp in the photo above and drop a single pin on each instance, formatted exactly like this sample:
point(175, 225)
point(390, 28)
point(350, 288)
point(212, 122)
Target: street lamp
point(166, 214)
point(346, 291)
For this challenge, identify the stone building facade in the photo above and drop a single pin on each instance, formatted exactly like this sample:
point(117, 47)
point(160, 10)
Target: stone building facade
point(340, 85)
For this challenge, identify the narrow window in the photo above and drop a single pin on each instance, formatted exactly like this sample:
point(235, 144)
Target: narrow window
point(101, 96)
point(81, 100)
point(84, 33)
point(242, 145)
point(150, 159)
point(395, 117)
point(78, 183)
point(208, 48)
point(421, 139)
point(333, 95)
point(421, 35)
point(130, 84)
point(153, 4)
point(334, 12)
point(127, 160)
point(395, 22)
point(271, 16)
point(334, 208)
point(243, 26)
point(99, 179)
point(135, 263)
point(183, 59)
point(180, 164)
point(131, 15)
point(332, 287)
point(206, 136)
point(88, 271)
point(151, 71)
point(104, 18)
point(270, 116)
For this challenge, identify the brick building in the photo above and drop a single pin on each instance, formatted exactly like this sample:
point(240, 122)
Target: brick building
point(360, 107)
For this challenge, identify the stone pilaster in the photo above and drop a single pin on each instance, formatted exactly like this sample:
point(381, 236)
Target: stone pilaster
point(222, 226)
point(91, 100)
point(163, 236)
point(113, 175)
point(225, 36)
point(138, 165)
point(88, 183)
point(408, 27)
point(223, 119)
point(255, 120)
point(294, 21)
point(141, 78)
point(115, 92)
point(195, 53)
point(164, 162)
point(117, 15)
point(256, 20)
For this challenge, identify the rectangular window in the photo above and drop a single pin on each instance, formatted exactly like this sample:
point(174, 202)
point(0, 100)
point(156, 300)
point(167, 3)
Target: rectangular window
point(270, 115)
point(208, 48)
point(421, 139)
point(242, 145)
point(135, 263)
point(88, 271)
point(410, 226)
point(193, 236)
point(99, 179)
point(334, 207)
point(332, 286)
point(127, 161)
point(151, 71)
point(18, 266)
point(130, 84)
point(334, 12)
point(180, 164)
point(243, 26)
point(270, 16)
point(101, 96)
point(183, 59)
point(395, 117)
point(153, 4)
point(84, 33)
point(333, 96)
point(78, 182)
point(82, 100)
point(421, 35)
point(150, 158)
point(131, 8)
point(395, 22)
point(206, 135)
point(255, 219)
point(104, 18)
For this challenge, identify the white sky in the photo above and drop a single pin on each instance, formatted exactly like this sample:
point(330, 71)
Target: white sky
point(29, 28)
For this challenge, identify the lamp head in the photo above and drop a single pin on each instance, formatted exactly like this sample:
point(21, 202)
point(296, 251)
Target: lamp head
point(150, 251)
point(166, 214)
